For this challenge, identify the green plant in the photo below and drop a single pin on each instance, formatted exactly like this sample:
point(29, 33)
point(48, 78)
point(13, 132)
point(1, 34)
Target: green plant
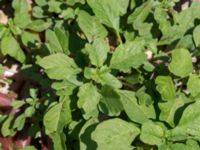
point(103, 74)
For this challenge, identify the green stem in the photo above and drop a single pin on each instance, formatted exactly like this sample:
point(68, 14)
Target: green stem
point(118, 37)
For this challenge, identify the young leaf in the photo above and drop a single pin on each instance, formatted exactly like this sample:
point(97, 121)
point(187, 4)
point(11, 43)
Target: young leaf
point(102, 76)
point(59, 66)
point(118, 137)
point(127, 56)
point(177, 66)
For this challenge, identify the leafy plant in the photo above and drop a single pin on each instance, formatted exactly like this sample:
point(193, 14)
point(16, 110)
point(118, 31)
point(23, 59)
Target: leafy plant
point(101, 74)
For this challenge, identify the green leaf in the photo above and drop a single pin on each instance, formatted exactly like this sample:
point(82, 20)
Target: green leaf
point(102, 76)
point(38, 12)
point(39, 25)
point(29, 148)
point(91, 26)
point(129, 55)
point(193, 85)
point(109, 12)
point(57, 116)
point(188, 125)
point(179, 67)
point(166, 88)
point(89, 97)
point(22, 17)
point(152, 134)
point(66, 87)
point(30, 39)
point(58, 141)
point(136, 112)
point(57, 40)
point(97, 52)
point(59, 66)
point(73, 2)
point(117, 137)
point(138, 17)
point(86, 143)
point(9, 46)
point(19, 122)
point(196, 35)
point(54, 6)
point(6, 129)
point(169, 109)
point(110, 103)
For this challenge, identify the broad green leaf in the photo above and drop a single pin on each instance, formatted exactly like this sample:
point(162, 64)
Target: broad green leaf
point(115, 134)
point(110, 103)
point(57, 40)
point(59, 140)
point(102, 76)
point(188, 125)
point(109, 12)
point(186, 42)
point(6, 129)
point(91, 26)
point(179, 67)
point(141, 12)
point(66, 87)
point(59, 66)
point(86, 143)
point(9, 46)
point(57, 116)
point(193, 85)
point(39, 25)
point(97, 52)
point(152, 133)
point(38, 12)
point(138, 17)
point(196, 35)
point(129, 55)
point(30, 111)
point(30, 39)
point(73, 2)
point(22, 17)
point(166, 88)
point(192, 145)
point(41, 2)
point(136, 112)
point(89, 97)
point(19, 122)
point(29, 148)
point(54, 6)
point(169, 109)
